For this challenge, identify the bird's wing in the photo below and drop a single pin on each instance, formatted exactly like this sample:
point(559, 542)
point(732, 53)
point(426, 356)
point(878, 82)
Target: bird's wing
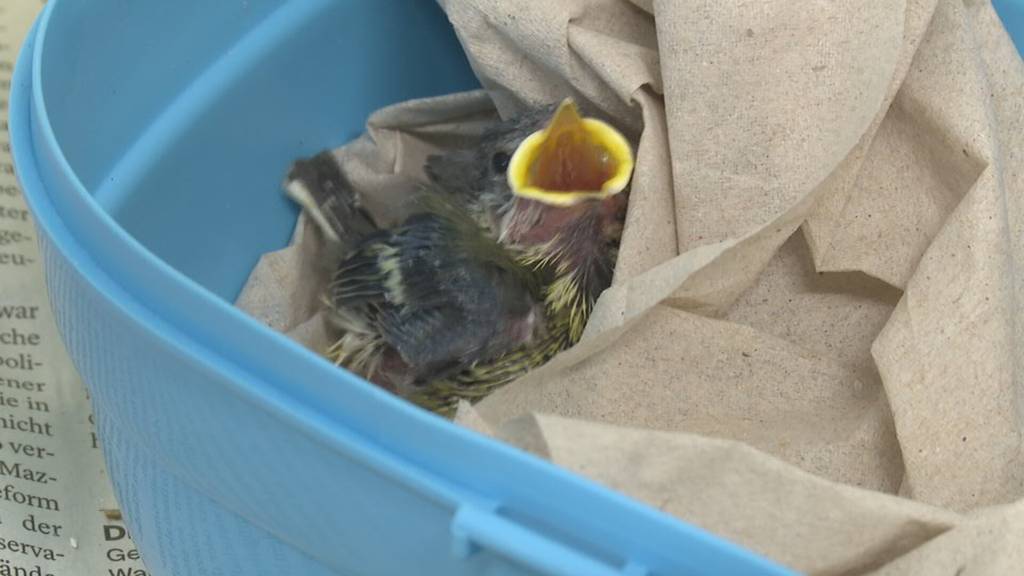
point(435, 293)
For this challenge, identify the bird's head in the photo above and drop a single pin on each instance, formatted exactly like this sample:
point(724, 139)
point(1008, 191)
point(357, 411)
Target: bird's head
point(551, 154)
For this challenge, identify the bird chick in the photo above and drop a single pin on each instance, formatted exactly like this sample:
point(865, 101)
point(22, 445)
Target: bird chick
point(426, 299)
point(552, 185)
point(558, 201)
point(521, 231)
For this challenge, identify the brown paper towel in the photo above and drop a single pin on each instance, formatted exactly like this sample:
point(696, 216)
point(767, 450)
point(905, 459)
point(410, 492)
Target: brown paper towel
point(737, 492)
point(814, 316)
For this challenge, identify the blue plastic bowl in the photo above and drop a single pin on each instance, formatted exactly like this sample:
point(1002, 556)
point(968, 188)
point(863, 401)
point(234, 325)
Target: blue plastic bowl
point(139, 129)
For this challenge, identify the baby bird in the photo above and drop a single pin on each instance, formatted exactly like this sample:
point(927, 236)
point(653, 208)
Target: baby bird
point(556, 196)
point(551, 184)
point(431, 297)
point(498, 272)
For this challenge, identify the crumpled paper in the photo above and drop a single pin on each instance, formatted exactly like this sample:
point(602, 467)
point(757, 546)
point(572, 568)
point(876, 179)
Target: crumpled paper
point(811, 345)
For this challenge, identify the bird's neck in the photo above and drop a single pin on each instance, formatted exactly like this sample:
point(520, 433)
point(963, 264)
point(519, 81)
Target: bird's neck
point(532, 223)
point(571, 245)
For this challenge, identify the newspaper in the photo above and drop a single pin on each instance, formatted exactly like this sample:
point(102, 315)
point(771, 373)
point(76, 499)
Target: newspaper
point(58, 515)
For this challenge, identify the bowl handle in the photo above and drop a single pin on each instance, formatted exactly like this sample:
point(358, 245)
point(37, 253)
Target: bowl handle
point(475, 528)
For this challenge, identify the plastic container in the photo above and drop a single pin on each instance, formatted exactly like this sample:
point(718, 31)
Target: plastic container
point(150, 139)
point(1011, 12)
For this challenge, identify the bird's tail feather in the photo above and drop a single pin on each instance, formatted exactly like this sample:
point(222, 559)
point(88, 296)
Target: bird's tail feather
point(358, 352)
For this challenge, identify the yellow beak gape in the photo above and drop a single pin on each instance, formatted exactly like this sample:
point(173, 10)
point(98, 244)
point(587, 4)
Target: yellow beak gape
point(573, 159)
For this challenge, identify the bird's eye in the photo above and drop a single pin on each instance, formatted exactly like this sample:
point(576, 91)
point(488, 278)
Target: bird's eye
point(499, 162)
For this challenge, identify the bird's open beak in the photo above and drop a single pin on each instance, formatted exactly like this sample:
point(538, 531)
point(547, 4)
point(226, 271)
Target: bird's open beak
point(571, 160)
